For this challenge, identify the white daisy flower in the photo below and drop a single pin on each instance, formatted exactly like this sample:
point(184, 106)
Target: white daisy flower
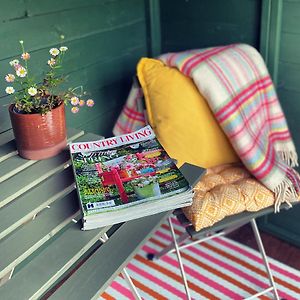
point(21, 72)
point(74, 101)
point(54, 51)
point(9, 90)
point(32, 91)
point(14, 62)
point(63, 48)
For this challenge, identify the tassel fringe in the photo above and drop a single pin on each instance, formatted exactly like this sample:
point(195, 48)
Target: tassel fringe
point(285, 193)
point(289, 157)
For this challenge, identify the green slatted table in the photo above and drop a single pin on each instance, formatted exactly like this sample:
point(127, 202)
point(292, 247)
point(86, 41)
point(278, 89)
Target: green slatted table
point(43, 252)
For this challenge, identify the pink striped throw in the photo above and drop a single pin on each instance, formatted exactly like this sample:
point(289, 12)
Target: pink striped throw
point(237, 86)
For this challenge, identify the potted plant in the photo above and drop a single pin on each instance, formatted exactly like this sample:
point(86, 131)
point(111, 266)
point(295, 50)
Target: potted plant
point(146, 187)
point(37, 112)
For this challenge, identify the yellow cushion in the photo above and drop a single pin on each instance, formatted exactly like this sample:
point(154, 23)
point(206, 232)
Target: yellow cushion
point(181, 118)
point(225, 192)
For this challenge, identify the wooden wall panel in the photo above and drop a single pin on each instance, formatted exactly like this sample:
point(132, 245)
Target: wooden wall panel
point(195, 24)
point(105, 38)
point(284, 65)
point(289, 66)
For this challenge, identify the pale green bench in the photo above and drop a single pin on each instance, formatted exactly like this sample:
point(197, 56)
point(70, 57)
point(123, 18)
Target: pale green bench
point(40, 242)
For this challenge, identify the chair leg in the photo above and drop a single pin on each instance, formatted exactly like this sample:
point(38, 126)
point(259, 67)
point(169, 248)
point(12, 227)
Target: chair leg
point(264, 256)
point(132, 287)
point(187, 290)
point(170, 248)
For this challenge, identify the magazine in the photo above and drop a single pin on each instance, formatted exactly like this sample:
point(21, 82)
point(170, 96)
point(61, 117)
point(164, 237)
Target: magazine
point(126, 177)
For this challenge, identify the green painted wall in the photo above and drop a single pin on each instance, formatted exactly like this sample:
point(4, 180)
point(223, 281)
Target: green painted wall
point(105, 40)
point(283, 49)
point(187, 24)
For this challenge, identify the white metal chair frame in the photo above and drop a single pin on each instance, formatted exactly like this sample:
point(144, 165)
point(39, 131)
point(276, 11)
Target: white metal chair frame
point(177, 245)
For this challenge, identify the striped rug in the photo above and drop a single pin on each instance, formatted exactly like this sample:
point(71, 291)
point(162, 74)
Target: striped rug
point(217, 269)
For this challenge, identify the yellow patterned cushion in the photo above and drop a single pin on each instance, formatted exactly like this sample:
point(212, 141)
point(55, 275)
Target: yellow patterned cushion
point(181, 118)
point(224, 192)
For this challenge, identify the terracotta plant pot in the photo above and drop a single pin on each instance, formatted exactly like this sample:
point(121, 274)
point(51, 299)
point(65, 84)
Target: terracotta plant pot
point(39, 136)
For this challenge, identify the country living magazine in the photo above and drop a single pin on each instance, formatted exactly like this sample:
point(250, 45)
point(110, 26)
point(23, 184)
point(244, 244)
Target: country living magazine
point(126, 177)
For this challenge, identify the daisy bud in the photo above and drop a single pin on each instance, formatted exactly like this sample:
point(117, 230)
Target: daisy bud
point(14, 62)
point(51, 62)
point(63, 48)
point(74, 109)
point(25, 56)
point(10, 78)
point(90, 102)
point(81, 102)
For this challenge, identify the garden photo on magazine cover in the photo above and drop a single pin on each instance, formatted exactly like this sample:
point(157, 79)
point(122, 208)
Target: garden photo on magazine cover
point(125, 176)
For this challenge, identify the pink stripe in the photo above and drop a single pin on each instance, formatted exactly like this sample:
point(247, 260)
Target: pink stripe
point(198, 276)
point(228, 62)
point(240, 99)
point(222, 264)
point(253, 114)
point(267, 165)
point(198, 58)
point(123, 291)
point(159, 282)
point(220, 74)
point(175, 221)
point(226, 266)
point(237, 59)
point(256, 259)
point(163, 236)
point(249, 61)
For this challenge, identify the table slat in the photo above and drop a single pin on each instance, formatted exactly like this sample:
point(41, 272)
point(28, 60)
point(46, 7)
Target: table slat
point(28, 178)
point(6, 136)
point(49, 266)
point(19, 245)
point(27, 205)
point(109, 259)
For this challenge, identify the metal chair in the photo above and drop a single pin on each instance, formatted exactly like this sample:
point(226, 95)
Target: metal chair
point(221, 228)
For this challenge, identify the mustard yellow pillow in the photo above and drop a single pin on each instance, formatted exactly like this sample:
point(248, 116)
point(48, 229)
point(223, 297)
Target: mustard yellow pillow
point(181, 118)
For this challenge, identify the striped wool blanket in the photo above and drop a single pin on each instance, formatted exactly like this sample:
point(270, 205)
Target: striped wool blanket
point(237, 86)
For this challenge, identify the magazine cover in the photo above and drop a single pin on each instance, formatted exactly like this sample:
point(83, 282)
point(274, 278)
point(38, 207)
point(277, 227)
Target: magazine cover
point(124, 171)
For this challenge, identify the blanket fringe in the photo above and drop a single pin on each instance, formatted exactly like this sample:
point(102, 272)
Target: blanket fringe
point(289, 157)
point(285, 192)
